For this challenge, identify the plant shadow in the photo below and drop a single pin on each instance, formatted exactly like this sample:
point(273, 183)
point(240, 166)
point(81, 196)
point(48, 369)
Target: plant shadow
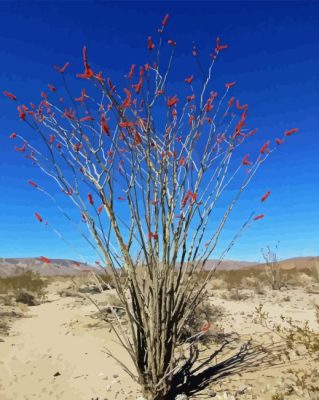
point(196, 376)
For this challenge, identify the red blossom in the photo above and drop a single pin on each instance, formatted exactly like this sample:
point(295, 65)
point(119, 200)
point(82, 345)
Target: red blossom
point(88, 73)
point(128, 99)
point(190, 98)
point(291, 131)
point(62, 69)
point(152, 235)
point(182, 161)
point(51, 139)
point(38, 217)
point(86, 118)
point(189, 79)
point(100, 209)
point(22, 114)
point(138, 86)
point(90, 199)
point(126, 124)
point(34, 184)
point(150, 44)
point(137, 138)
point(51, 87)
point(69, 114)
point(209, 106)
point(230, 84)
point(189, 196)
point(21, 149)
point(172, 101)
point(219, 46)
point(165, 19)
point(241, 107)
point(265, 197)
point(45, 259)
point(13, 135)
point(104, 125)
point(171, 42)
point(252, 132)
point(264, 147)
point(81, 98)
point(279, 141)
point(245, 160)
point(99, 77)
point(112, 87)
point(231, 101)
point(10, 95)
point(131, 73)
point(260, 216)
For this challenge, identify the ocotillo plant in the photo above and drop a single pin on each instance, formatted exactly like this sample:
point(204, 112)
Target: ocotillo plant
point(272, 268)
point(145, 167)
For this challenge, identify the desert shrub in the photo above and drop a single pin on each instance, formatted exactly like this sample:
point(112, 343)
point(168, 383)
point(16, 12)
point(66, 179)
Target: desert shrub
point(201, 321)
point(107, 279)
point(300, 278)
point(26, 297)
point(300, 342)
point(4, 327)
point(235, 294)
point(273, 272)
point(217, 284)
point(315, 271)
point(7, 299)
point(252, 282)
point(28, 281)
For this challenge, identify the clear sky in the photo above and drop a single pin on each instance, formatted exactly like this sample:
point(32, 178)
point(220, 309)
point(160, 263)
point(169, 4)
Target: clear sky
point(273, 56)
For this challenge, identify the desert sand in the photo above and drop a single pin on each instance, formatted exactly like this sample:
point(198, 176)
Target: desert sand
point(57, 350)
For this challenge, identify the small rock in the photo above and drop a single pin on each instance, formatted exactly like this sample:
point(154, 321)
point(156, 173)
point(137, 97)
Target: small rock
point(57, 374)
point(181, 397)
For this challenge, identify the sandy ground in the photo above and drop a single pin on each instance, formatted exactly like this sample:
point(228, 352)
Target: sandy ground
point(55, 339)
point(59, 337)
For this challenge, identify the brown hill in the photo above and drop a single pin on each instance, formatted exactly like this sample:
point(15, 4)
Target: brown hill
point(14, 266)
point(227, 265)
point(294, 263)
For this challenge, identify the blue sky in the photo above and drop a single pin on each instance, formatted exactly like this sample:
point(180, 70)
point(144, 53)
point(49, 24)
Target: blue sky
point(273, 56)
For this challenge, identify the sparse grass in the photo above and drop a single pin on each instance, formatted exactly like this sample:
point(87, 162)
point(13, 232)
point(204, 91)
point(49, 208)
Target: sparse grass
point(255, 278)
point(27, 281)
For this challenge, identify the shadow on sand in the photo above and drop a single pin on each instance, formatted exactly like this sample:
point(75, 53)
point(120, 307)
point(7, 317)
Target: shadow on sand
point(195, 375)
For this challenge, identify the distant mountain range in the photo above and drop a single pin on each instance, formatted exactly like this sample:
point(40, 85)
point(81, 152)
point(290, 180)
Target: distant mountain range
point(53, 267)
point(43, 266)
